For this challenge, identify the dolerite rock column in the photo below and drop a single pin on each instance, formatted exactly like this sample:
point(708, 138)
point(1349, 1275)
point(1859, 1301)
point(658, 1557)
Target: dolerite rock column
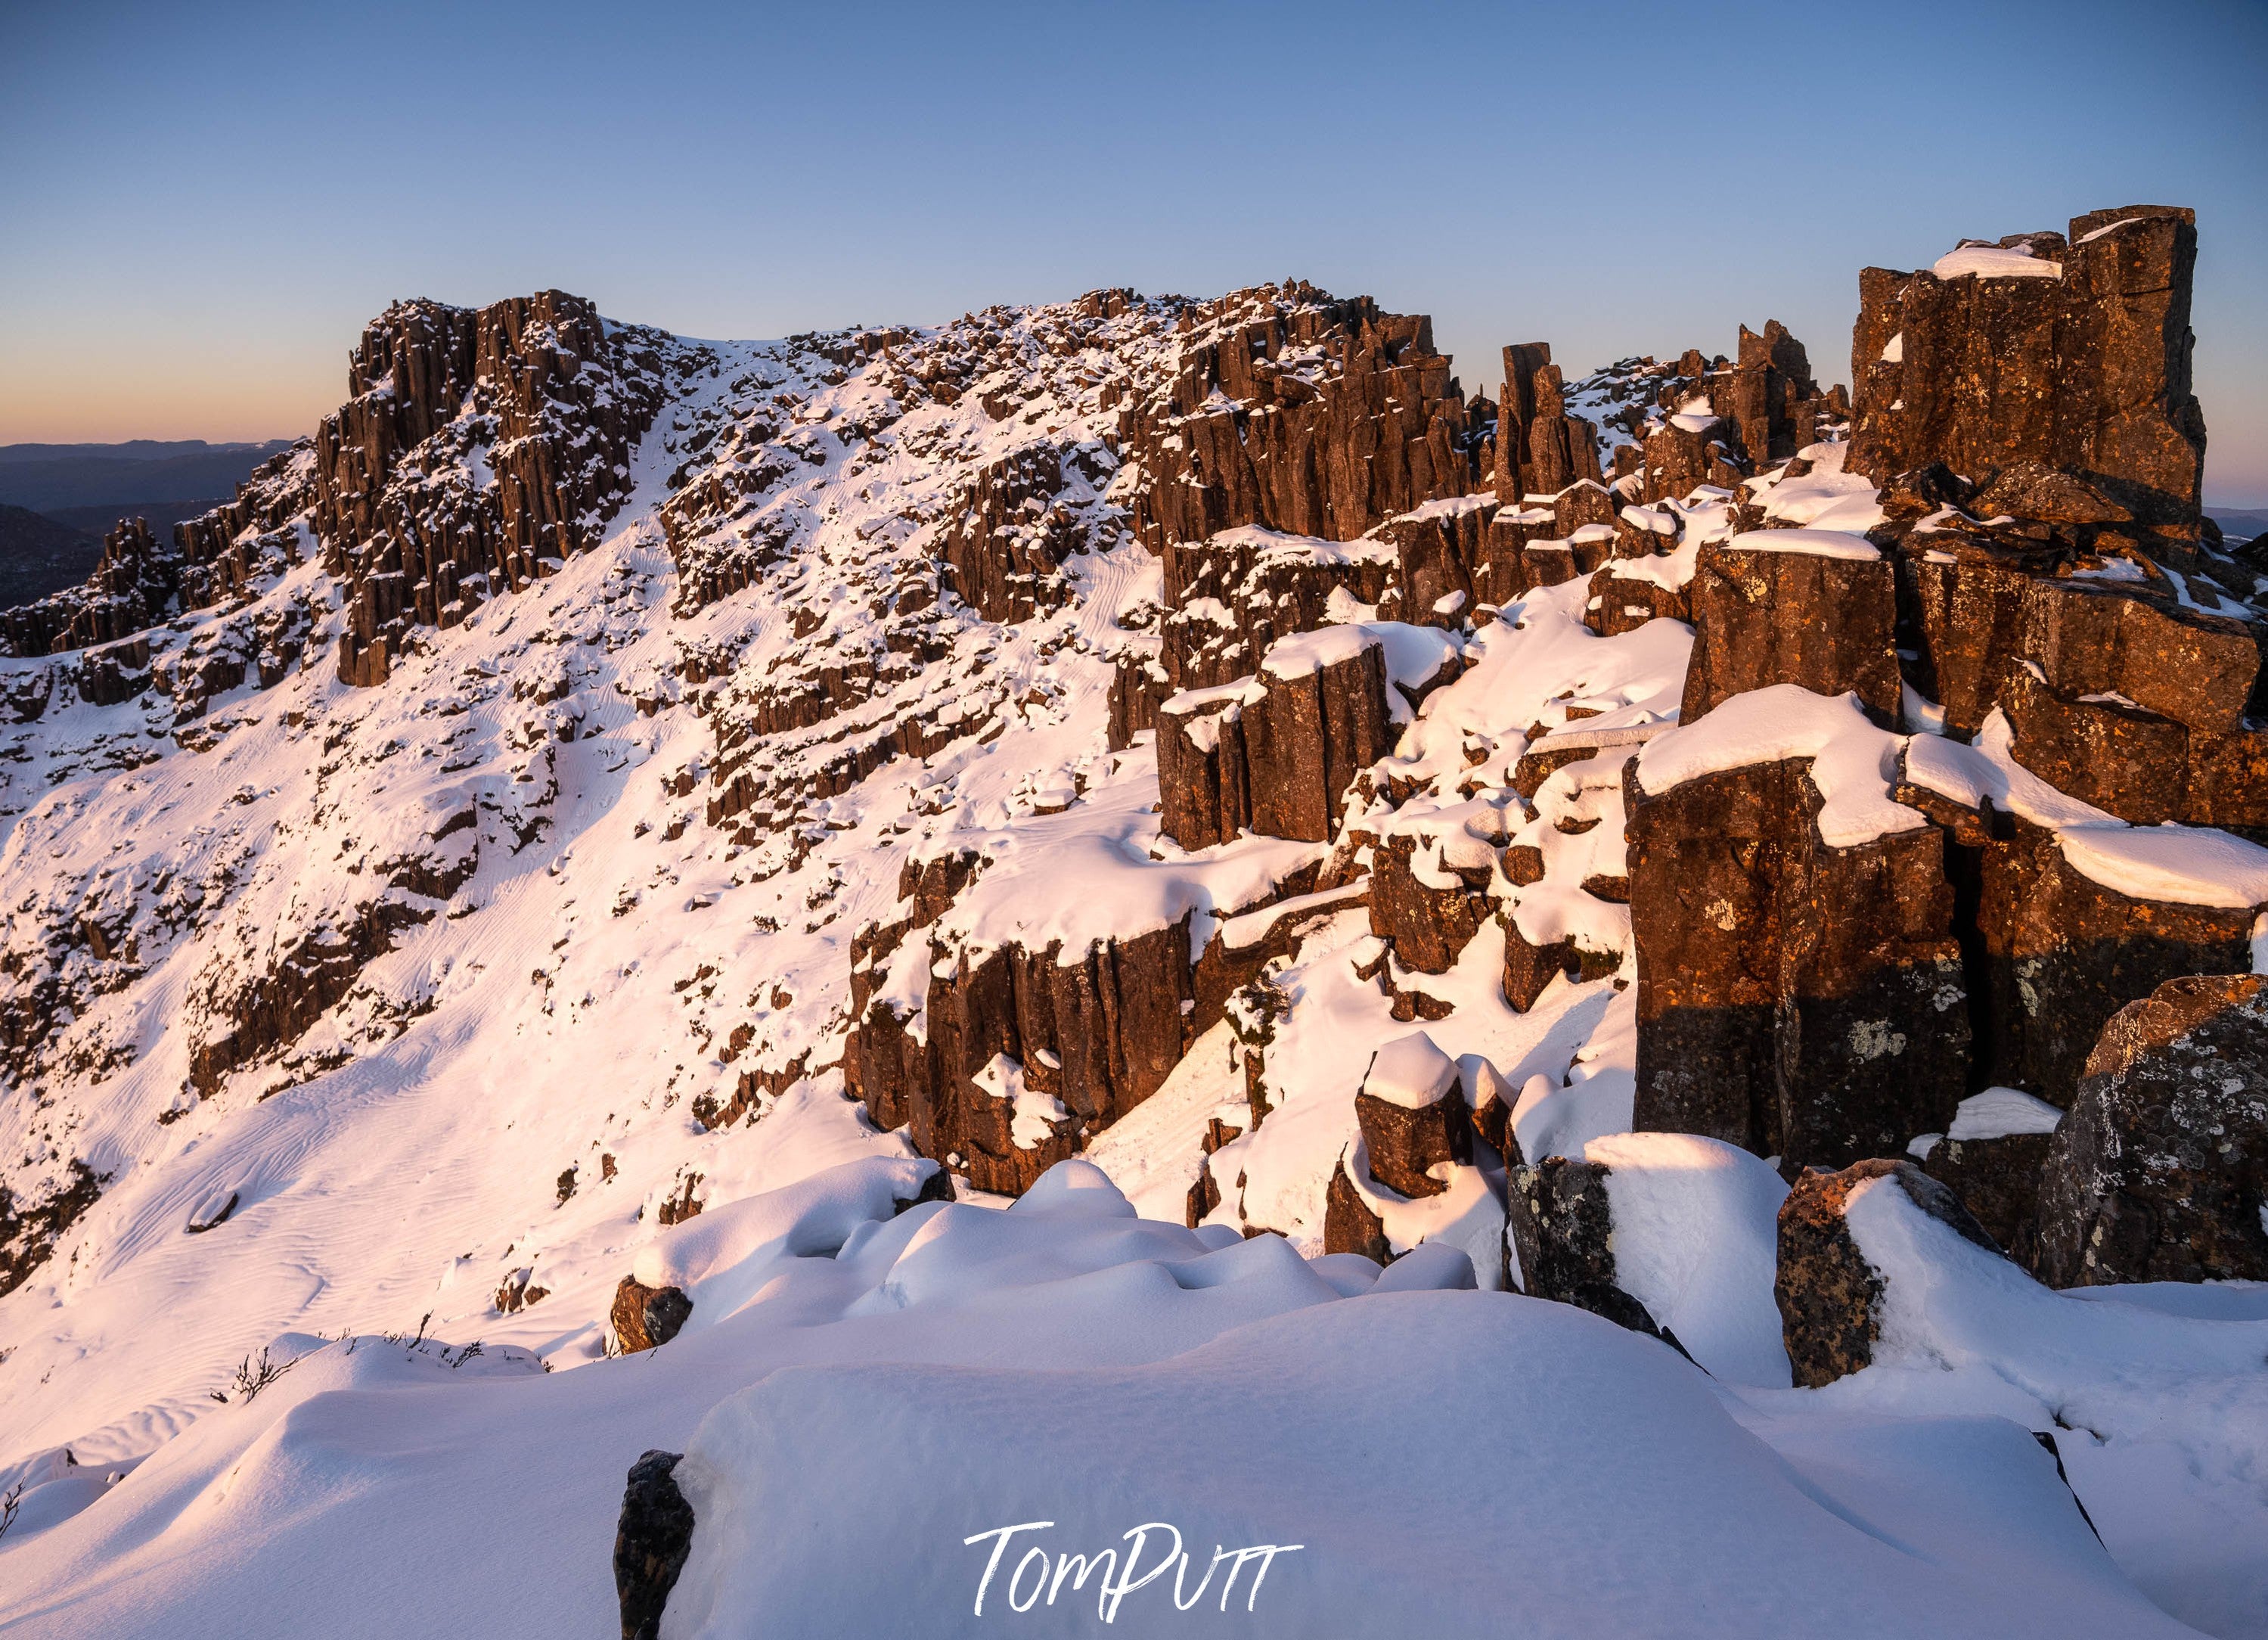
point(1782, 606)
point(1829, 1294)
point(2160, 1170)
point(1275, 754)
point(1426, 907)
point(2062, 953)
point(1540, 449)
point(1796, 998)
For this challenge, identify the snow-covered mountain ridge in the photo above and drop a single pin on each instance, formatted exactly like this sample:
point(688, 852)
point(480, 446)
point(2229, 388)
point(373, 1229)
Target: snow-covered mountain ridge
point(543, 864)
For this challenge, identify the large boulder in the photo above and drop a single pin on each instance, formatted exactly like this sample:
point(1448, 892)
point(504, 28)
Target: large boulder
point(645, 1318)
point(1799, 998)
point(2160, 1170)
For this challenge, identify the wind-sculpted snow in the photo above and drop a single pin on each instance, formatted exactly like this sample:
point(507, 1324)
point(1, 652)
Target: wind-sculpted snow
point(859, 1418)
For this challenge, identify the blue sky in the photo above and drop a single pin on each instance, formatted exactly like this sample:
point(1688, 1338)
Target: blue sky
point(202, 204)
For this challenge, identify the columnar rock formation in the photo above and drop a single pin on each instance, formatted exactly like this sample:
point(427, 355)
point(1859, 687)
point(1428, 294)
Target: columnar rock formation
point(2036, 578)
point(1292, 410)
point(2067, 351)
point(478, 450)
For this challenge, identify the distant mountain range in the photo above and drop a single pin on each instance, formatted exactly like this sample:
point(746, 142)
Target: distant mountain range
point(49, 477)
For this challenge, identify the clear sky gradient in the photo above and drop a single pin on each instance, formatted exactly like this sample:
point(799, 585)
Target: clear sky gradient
point(200, 205)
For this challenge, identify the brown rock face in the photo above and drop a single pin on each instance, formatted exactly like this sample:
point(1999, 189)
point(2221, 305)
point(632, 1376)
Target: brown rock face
point(1444, 556)
point(1797, 1000)
point(1234, 595)
point(1348, 1225)
point(1761, 618)
point(1007, 542)
point(2088, 372)
point(540, 386)
point(1097, 1034)
point(1332, 417)
point(1428, 911)
point(1403, 1143)
point(2160, 1171)
point(1540, 449)
point(645, 1318)
point(1830, 1296)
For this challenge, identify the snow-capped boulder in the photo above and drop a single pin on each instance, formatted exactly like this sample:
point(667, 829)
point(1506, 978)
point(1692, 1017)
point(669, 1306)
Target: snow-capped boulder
point(1411, 1108)
point(2160, 1170)
point(1830, 1293)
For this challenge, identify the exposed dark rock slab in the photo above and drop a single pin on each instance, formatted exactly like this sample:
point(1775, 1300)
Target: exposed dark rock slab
point(652, 1540)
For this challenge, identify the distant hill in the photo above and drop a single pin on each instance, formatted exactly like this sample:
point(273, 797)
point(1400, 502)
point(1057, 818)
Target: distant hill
point(132, 450)
point(48, 477)
point(40, 554)
point(2242, 523)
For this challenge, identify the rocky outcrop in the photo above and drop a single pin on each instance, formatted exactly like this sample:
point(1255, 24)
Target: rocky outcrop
point(1021, 1055)
point(652, 1540)
point(1275, 754)
point(1007, 536)
point(646, 1317)
point(1539, 449)
point(1232, 596)
point(30, 1230)
point(2069, 351)
point(2159, 1172)
point(1829, 1293)
point(1299, 411)
point(1428, 896)
point(480, 449)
